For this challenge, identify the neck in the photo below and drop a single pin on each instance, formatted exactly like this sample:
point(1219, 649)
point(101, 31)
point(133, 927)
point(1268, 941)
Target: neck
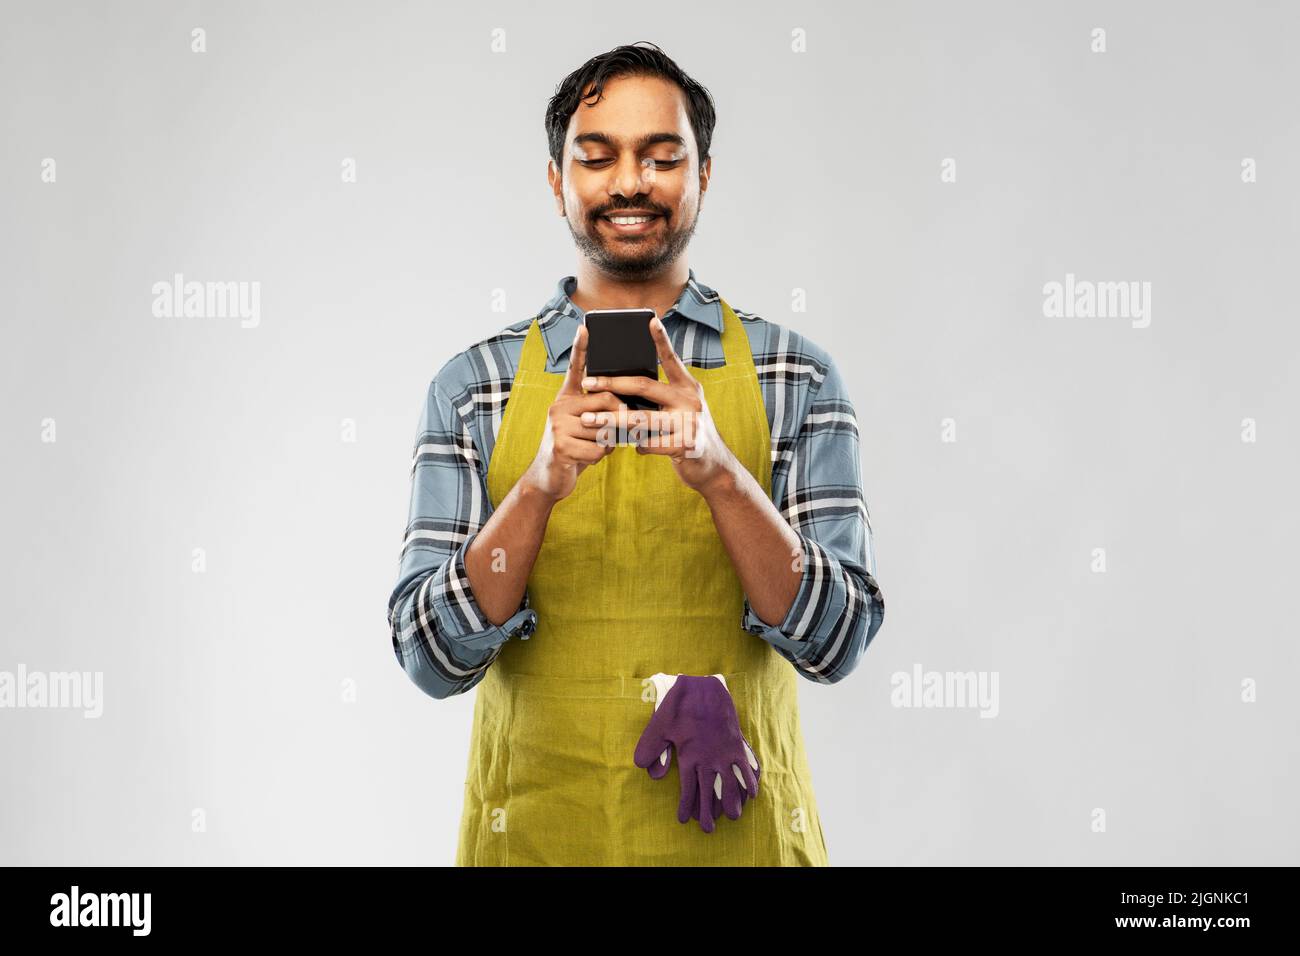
point(598, 290)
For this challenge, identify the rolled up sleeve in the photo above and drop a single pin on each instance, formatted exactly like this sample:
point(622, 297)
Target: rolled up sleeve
point(839, 607)
point(440, 635)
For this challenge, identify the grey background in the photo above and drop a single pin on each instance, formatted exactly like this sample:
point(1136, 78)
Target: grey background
point(222, 690)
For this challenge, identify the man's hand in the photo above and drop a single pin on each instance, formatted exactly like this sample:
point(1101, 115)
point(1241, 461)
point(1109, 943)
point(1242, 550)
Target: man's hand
point(682, 428)
point(568, 444)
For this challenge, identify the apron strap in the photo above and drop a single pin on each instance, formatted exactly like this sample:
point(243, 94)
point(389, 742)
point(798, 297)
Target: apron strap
point(735, 341)
point(533, 357)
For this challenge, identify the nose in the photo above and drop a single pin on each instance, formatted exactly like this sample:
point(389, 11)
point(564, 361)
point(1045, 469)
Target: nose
point(632, 177)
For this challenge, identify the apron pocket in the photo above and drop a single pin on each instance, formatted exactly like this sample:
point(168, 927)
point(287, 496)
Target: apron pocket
point(576, 798)
point(558, 811)
point(648, 832)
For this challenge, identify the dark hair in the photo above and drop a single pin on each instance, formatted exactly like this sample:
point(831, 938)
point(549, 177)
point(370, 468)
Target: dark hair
point(629, 60)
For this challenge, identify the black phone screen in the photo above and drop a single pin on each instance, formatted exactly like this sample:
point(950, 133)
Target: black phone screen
point(619, 343)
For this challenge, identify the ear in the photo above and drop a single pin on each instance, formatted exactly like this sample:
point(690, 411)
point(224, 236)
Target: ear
point(705, 172)
point(556, 182)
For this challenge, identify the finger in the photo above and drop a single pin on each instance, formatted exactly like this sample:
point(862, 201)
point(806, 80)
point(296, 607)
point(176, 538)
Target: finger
point(580, 451)
point(673, 367)
point(651, 744)
point(587, 415)
point(653, 428)
point(572, 384)
point(747, 778)
point(660, 766)
point(660, 445)
point(705, 785)
point(730, 796)
point(672, 442)
point(606, 429)
point(688, 806)
point(602, 434)
point(753, 764)
point(658, 392)
point(638, 426)
point(661, 420)
point(680, 426)
point(717, 809)
point(594, 402)
point(584, 430)
point(613, 417)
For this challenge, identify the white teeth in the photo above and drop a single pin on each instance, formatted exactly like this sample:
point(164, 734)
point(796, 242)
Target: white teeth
point(628, 220)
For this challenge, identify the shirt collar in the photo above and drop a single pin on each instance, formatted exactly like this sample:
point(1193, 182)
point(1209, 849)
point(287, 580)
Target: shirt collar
point(559, 318)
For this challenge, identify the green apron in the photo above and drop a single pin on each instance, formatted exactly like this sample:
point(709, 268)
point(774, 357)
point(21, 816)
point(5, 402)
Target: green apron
point(631, 579)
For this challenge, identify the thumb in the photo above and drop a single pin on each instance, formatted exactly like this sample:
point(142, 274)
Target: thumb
point(650, 748)
point(659, 768)
point(572, 384)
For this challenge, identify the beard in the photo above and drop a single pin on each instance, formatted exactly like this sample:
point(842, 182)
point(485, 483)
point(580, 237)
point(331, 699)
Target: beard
point(633, 258)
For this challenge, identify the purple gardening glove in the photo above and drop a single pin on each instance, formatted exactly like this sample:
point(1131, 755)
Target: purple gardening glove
point(718, 769)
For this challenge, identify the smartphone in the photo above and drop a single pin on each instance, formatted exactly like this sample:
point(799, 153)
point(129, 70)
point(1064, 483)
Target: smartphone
point(619, 343)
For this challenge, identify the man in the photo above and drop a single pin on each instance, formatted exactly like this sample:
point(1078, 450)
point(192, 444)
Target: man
point(654, 597)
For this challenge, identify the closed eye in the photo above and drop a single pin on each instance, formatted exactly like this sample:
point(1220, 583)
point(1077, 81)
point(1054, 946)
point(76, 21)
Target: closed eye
point(658, 163)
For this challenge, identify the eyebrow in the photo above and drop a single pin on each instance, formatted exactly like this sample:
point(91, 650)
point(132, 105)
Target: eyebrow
point(649, 139)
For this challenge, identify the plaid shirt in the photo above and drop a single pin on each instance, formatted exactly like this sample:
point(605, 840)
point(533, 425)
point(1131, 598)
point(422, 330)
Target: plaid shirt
point(443, 640)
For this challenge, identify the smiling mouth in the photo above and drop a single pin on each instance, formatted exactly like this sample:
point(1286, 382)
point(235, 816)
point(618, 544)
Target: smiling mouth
point(630, 225)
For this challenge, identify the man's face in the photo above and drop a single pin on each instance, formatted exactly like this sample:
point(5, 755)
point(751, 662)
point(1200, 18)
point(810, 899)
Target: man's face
point(633, 151)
